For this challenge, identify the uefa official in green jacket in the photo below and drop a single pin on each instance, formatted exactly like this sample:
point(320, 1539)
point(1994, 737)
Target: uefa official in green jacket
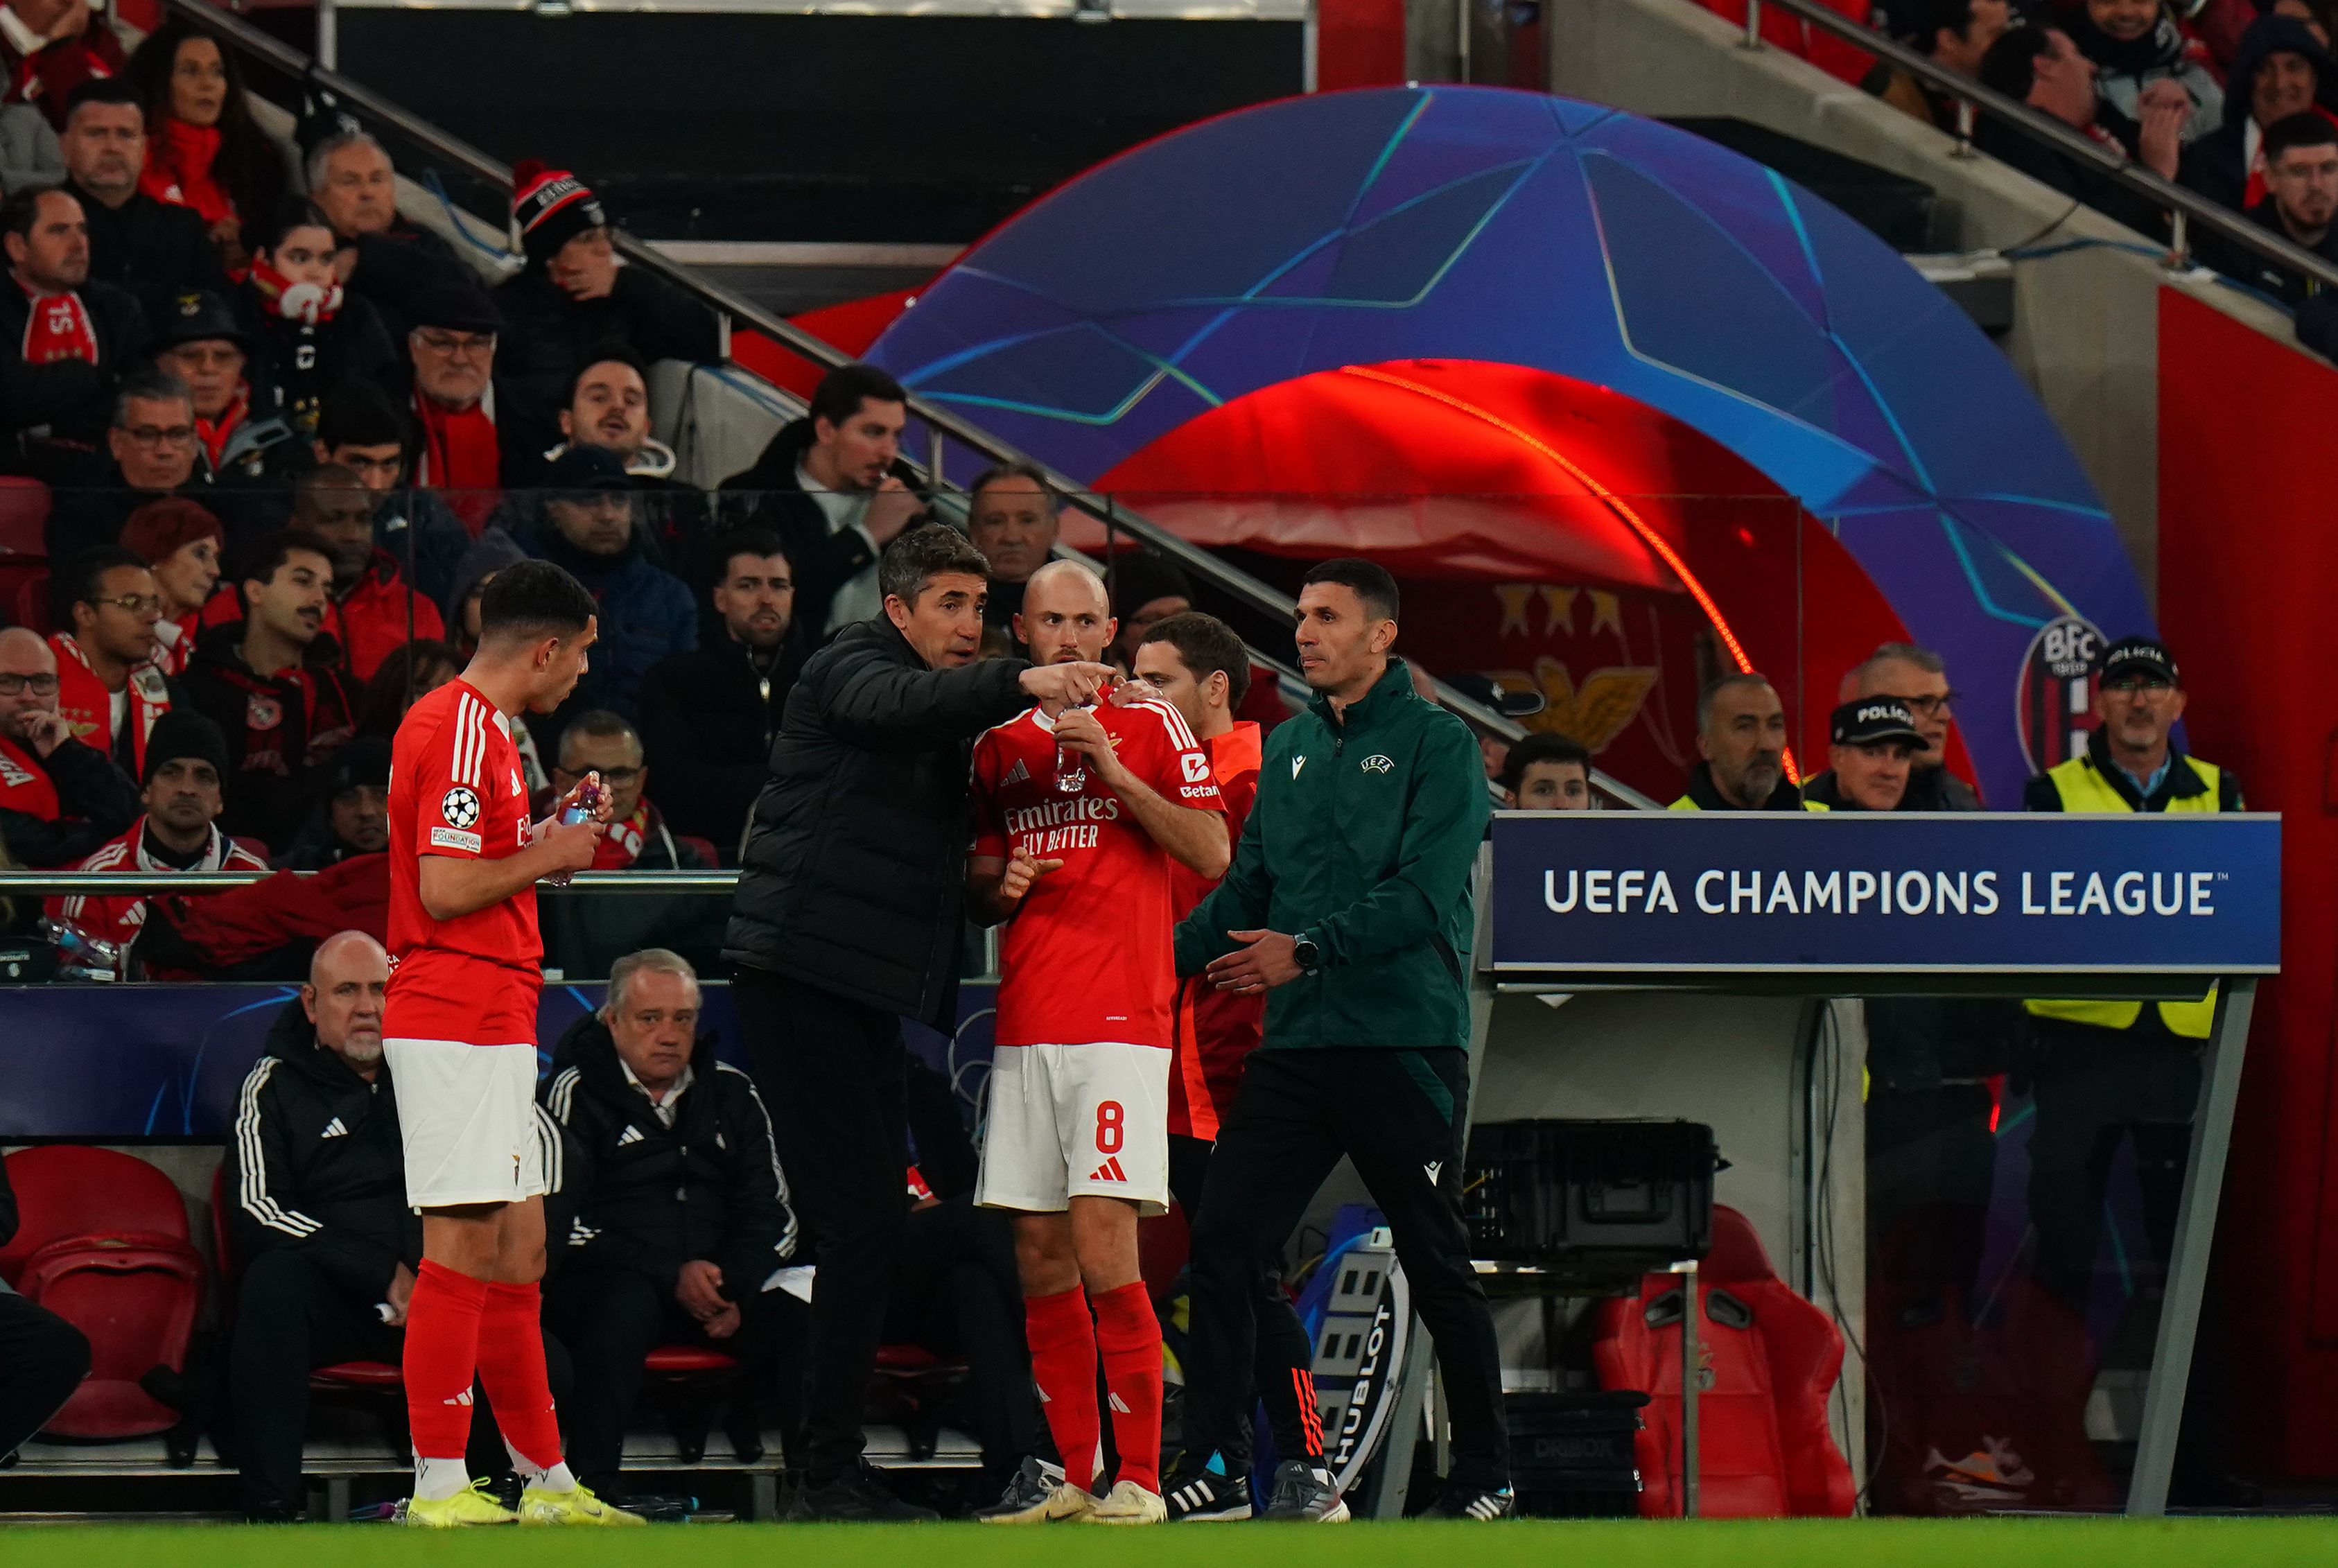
point(2107, 1071)
point(1349, 905)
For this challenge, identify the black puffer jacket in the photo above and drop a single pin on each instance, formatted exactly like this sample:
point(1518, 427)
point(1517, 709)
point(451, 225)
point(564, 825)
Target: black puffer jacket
point(854, 876)
point(317, 1164)
point(651, 1197)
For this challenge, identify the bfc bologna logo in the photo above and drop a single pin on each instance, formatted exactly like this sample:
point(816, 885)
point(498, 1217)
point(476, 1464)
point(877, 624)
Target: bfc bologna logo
point(2054, 704)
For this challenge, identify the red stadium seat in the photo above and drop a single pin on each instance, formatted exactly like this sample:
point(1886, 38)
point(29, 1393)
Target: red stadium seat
point(703, 846)
point(345, 1377)
point(104, 1243)
point(28, 586)
point(24, 517)
point(913, 1384)
point(688, 1361)
point(1768, 1360)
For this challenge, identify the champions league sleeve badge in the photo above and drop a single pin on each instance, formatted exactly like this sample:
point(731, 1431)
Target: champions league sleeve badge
point(459, 807)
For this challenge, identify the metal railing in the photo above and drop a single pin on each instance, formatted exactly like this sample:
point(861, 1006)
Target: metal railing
point(2184, 207)
point(940, 422)
point(98, 883)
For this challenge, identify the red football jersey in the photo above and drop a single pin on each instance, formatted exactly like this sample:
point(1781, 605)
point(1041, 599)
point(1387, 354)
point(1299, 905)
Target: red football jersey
point(1087, 957)
point(1214, 1031)
point(456, 788)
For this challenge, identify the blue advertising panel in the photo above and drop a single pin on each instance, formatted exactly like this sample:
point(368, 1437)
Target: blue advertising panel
point(1645, 893)
point(128, 1063)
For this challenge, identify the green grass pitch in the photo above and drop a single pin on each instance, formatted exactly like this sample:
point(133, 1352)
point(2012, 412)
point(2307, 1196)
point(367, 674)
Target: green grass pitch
point(1849, 1543)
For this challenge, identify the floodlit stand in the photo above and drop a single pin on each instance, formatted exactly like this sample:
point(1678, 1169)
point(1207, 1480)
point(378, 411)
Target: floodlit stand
point(2250, 886)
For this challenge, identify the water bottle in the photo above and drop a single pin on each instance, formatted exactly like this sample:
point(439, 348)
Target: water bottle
point(79, 956)
point(1071, 767)
point(589, 795)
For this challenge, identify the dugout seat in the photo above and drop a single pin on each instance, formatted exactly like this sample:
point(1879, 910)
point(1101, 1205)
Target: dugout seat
point(915, 1384)
point(1767, 1362)
point(102, 1242)
point(373, 1377)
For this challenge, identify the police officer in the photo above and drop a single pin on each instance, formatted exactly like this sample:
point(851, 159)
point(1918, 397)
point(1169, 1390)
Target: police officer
point(2108, 1071)
point(1872, 743)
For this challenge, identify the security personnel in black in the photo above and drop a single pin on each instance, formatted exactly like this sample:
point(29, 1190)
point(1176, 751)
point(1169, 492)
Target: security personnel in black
point(315, 1190)
point(682, 1214)
point(2108, 1071)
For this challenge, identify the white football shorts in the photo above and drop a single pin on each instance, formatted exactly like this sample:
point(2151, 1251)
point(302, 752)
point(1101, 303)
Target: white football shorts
point(1076, 1121)
point(467, 1114)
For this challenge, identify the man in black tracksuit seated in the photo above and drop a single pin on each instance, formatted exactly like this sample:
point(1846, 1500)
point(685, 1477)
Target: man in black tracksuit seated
point(682, 1214)
point(315, 1186)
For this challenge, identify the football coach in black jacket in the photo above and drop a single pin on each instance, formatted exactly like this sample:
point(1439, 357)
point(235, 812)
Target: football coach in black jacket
point(682, 1210)
point(848, 919)
point(315, 1187)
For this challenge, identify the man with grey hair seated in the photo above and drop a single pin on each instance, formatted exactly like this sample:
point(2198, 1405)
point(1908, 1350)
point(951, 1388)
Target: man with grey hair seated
point(352, 183)
point(683, 1220)
point(315, 1191)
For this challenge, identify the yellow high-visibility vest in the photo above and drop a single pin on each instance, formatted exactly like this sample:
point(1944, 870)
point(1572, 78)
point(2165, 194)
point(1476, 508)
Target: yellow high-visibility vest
point(2082, 788)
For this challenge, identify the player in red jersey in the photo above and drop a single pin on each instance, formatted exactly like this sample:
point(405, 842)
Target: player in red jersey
point(458, 1030)
point(1198, 666)
point(1080, 816)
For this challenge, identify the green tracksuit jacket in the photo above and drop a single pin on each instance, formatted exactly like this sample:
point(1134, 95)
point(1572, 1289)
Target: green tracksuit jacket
point(1362, 837)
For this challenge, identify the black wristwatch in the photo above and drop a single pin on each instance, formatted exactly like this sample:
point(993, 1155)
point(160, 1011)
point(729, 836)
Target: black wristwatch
point(1306, 955)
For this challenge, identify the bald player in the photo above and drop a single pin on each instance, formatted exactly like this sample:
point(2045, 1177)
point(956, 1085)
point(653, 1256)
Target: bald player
point(1080, 816)
point(60, 800)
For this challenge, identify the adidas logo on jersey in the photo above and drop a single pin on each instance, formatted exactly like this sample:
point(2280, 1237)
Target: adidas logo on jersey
point(1018, 774)
point(1109, 1171)
point(632, 1135)
point(334, 1128)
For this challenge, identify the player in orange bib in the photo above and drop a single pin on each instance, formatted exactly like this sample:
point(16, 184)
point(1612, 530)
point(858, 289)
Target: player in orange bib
point(1080, 816)
point(458, 1030)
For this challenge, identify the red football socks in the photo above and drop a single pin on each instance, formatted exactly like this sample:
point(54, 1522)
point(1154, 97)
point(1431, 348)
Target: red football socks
point(442, 1351)
point(1128, 1338)
point(511, 1369)
point(1064, 1363)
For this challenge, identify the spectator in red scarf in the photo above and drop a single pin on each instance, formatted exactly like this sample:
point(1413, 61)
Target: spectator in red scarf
point(638, 838)
point(243, 436)
point(311, 334)
point(64, 339)
point(203, 149)
point(574, 300)
point(49, 47)
point(183, 542)
point(156, 250)
point(59, 799)
point(106, 604)
point(453, 345)
point(273, 684)
point(179, 785)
